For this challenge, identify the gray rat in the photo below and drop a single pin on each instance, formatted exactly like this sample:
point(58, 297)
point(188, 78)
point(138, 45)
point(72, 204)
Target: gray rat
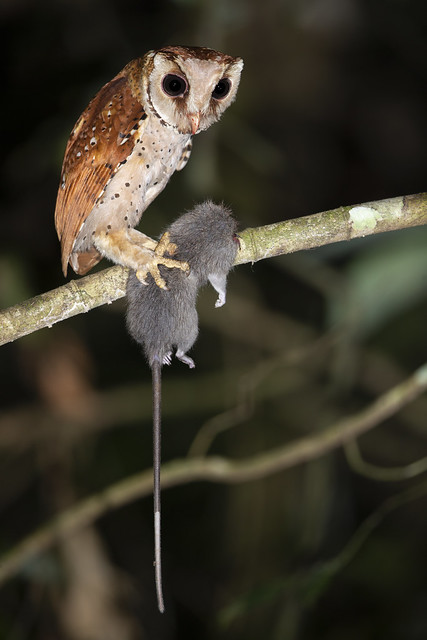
point(164, 320)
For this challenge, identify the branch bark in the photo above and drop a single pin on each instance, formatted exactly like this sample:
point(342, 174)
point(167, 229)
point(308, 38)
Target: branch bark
point(336, 225)
point(215, 469)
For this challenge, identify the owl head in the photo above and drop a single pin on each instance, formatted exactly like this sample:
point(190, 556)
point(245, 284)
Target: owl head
point(189, 88)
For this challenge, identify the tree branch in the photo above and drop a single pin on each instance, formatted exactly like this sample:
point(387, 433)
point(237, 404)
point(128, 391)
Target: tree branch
point(215, 469)
point(336, 225)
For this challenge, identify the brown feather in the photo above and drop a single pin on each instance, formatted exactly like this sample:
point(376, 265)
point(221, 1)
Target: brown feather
point(84, 261)
point(100, 142)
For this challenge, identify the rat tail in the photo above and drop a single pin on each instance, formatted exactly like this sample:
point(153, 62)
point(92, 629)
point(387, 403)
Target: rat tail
point(156, 368)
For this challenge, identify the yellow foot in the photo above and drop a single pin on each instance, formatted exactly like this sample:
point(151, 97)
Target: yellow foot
point(163, 246)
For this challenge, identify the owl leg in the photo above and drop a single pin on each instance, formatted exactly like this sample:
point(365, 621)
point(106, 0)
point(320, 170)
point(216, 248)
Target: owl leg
point(136, 237)
point(138, 252)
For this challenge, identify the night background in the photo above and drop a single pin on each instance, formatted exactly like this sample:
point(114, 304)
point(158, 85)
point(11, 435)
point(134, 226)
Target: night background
point(331, 111)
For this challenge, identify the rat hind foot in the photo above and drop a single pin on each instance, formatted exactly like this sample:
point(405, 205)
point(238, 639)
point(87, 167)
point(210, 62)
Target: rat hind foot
point(167, 358)
point(152, 266)
point(184, 358)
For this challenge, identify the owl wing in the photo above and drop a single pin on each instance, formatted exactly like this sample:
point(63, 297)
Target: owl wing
point(99, 144)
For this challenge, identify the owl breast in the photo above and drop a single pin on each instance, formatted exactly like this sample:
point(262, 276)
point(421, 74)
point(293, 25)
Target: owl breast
point(137, 181)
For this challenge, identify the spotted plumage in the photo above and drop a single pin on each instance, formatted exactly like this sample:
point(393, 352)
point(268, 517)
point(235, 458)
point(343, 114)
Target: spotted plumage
point(126, 145)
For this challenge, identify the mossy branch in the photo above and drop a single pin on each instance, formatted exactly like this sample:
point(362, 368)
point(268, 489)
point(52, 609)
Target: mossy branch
point(336, 225)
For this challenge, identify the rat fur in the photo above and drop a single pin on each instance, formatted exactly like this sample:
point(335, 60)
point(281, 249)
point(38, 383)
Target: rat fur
point(164, 321)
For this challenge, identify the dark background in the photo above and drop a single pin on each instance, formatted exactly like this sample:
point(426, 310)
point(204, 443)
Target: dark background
point(331, 110)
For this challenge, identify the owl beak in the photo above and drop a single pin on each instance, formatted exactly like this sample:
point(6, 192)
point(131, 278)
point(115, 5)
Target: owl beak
point(195, 121)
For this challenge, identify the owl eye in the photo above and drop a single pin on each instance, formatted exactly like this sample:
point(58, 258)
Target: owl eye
point(222, 89)
point(174, 85)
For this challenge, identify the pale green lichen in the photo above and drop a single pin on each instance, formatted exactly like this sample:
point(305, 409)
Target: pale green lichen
point(363, 219)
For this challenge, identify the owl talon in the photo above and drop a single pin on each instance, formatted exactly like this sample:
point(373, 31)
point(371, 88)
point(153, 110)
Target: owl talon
point(152, 268)
point(166, 246)
point(163, 246)
point(141, 274)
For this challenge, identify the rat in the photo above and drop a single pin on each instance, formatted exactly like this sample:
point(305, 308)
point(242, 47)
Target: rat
point(164, 321)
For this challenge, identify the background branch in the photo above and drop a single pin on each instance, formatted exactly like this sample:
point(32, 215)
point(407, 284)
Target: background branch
point(381, 474)
point(336, 225)
point(215, 469)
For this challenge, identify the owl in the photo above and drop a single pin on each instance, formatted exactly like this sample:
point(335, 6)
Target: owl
point(125, 146)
